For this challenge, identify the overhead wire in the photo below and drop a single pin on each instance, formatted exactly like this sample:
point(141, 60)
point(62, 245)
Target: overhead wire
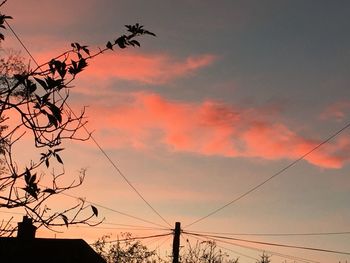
point(93, 139)
point(157, 248)
point(301, 259)
point(138, 238)
point(275, 234)
point(100, 206)
point(273, 176)
point(273, 253)
point(160, 227)
point(163, 242)
point(154, 240)
point(231, 250)
point(134, 226)
point(274, 244)
point(114, 228)
point(115, 211)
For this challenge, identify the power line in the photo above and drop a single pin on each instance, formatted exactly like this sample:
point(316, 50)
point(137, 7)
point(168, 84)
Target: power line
point(273, 244)
point(274, 175)
point(163, 242)
point(295, 258)
point(100, 206)
point(264, 250)
point(135, 226)
point(115, 211)
point(122, 174)
point(110, 209)
point(22, 44)
point(93, 139)
point(114, 228)
point(137, 238)
point(231, 250)
point(155, 240)
point(276, 234)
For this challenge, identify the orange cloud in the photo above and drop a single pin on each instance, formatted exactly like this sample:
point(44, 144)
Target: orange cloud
point(144, 120)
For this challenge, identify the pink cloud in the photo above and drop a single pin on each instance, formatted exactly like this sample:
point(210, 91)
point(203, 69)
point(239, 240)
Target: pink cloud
point(146, 120)
point(132, 66)
point(336, 111)
point(147, 68)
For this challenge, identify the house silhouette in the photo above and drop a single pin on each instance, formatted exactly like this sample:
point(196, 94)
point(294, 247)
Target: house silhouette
point(26, 248)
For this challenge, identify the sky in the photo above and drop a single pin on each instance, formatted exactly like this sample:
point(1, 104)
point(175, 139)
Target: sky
point(226, 95)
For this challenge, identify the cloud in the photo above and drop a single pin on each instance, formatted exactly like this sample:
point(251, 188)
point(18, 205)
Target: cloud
point(146, 68)
point(146, 120)
point(130, 65)
point(336, 111)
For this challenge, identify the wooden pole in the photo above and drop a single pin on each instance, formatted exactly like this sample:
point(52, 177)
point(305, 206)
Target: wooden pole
point(176, 242)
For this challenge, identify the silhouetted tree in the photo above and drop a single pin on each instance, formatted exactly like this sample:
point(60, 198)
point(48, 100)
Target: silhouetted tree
point(128, 249)
point(33, 103)
point(125, 250)
point(205, 252)
point(264, 258)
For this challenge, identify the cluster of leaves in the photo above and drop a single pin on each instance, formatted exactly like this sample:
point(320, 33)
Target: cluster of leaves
point(128, 40)
point(33, 102)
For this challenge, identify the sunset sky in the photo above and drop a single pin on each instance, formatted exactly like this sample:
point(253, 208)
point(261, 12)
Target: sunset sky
point(227, 94)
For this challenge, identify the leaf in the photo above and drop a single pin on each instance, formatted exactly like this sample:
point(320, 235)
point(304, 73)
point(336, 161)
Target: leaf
point(52, 120)
point(62, 70)
point(32, 190)
point(53, 83)
point(74, 64)
point(94, 210)
point(149, 33)
point(55, 111)
point(77, 45)
point(27, 176)
point(58, 150)
point(121, 41)
point(65, 219)
point(45, 98)
point(47, 162)
point(31, 87)
point(109, 45)
point(59, 159)
point(42, 83)
point(135, 42)
point(86, 50)
point(38, 99)
point(82, 64)
point(43, 156)
point(49, 191)
point(129, 27)
point(32, 179)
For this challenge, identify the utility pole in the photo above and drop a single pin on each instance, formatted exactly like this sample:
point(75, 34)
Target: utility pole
point(176, 242)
